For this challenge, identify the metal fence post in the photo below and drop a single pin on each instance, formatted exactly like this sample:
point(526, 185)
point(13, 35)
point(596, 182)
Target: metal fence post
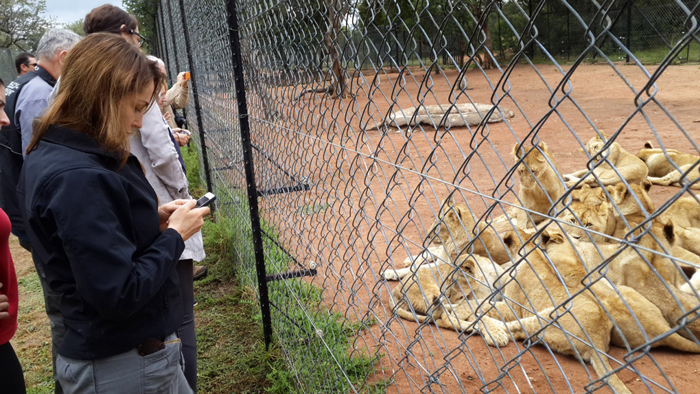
point(173, 76)
point(629, 30)
point(195, 96)
point(162, 24)
point(234, 40)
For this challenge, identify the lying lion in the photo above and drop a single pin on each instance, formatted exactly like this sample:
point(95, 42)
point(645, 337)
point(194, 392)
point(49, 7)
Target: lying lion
point(669, 166)
point(452, 232)
point(637, 319)
point(646, 269)
point(601, 221)
point(540, 184)
point(582, 328)
point(616, 164)
point(435, 289)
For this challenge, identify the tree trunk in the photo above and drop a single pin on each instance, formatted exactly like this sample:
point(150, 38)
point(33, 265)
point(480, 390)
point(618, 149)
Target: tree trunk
point(331, 43)
point(487, 60)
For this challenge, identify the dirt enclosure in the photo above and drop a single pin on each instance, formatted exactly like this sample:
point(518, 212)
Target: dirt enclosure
point(388, 191)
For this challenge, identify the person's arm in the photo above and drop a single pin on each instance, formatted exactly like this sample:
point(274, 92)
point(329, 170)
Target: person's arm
point(27, 109)
point(155, 137)
point(179, 94)
point(98, 240)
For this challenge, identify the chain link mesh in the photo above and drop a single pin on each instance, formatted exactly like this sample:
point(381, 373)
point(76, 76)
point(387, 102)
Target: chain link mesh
point(384, 130)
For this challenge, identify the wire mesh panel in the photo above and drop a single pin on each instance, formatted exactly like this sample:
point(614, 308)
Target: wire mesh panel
point(460, 196)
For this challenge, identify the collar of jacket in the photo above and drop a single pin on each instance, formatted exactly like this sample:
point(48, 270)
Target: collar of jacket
point(79, 141)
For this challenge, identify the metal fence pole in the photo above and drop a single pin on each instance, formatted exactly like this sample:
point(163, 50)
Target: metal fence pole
point(629, 30)
point(174, 37)
point(162, 24)
point(195, 96)
point(234, 40)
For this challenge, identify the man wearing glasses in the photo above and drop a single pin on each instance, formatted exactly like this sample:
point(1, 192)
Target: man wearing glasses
point(24, 63)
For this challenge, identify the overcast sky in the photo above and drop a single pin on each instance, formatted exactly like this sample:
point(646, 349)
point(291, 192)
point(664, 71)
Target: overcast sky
point(67, 11)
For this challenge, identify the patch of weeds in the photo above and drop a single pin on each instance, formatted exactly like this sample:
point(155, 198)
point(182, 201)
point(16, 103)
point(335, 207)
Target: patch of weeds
point(230, 347)
point(190, 156)
point(310, 209)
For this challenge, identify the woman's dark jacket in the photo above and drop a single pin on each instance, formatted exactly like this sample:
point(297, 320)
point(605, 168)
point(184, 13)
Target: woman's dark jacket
point(94, 228)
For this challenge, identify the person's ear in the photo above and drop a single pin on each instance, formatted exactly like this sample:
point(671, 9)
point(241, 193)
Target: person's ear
point(62, 57)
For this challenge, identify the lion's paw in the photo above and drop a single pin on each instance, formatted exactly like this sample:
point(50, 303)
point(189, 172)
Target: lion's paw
point(494, 332)
point(390, 274)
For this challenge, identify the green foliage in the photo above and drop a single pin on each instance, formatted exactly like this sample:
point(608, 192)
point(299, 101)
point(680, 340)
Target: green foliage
point(22, 23)
point(76, 27)
point(191, 158)
point(145, 11)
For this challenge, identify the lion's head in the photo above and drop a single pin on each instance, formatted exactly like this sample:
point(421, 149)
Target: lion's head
point(454, 221)
point(538, 163)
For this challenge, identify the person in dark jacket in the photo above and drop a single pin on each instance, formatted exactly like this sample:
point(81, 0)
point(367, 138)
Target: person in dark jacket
point(93, 220)
point(10, 368)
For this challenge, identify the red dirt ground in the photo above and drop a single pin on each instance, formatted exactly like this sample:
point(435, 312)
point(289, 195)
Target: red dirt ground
point(386, 196)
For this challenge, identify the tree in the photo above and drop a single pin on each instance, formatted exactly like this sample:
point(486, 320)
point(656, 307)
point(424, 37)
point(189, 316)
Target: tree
point(76, 27)
point(146, 11)
point(22, 23)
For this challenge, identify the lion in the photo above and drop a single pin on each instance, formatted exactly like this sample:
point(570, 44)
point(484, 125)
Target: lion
point(646, 269)
point(436, 287)
point(582, 328)
point(540, 184)
point(616, 165)
point(637, 324)
point(667, 167)
point(600, 221)
point(452, 232)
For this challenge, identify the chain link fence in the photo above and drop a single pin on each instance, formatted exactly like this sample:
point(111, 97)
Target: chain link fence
point(456, 196)
point(8, 72)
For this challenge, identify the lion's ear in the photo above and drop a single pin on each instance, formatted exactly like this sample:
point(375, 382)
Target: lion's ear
point(514, 152)
point(618, 192)
point(468, 265)
point(464, 214)
point(603, 136)
point(669, 232)
point(552, 236)
point(600, 193)
point(543, 150)
point(646, 184)
point(509, 239)
point(648, 145)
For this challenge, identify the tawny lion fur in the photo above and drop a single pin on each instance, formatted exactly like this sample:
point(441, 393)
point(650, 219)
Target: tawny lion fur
point(437, 287)
point(531, 300)
point(540, 184)
point(596, 213)
point(626, 165)
point(667, 168)
point(632, 333)
point(647, 270)
point(452, 231)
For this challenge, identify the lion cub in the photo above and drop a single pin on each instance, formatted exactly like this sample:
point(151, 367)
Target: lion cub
point(639, 323)
point(664, 172)
point(540, 184)
point(452, 232)
point(532, 299)
point(617, 163)
point(435, 288)
point(602, 222)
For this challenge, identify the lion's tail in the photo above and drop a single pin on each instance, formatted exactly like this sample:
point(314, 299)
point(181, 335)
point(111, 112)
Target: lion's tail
point(601, 366)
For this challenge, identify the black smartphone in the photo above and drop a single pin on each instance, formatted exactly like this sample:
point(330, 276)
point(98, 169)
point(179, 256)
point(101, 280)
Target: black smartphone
point(205, 200)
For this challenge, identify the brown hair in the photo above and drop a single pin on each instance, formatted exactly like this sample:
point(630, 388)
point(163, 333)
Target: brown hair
point(98, 73)
point(108, 19)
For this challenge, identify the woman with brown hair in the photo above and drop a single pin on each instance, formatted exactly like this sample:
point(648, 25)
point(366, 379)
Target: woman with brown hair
point(94, 221)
